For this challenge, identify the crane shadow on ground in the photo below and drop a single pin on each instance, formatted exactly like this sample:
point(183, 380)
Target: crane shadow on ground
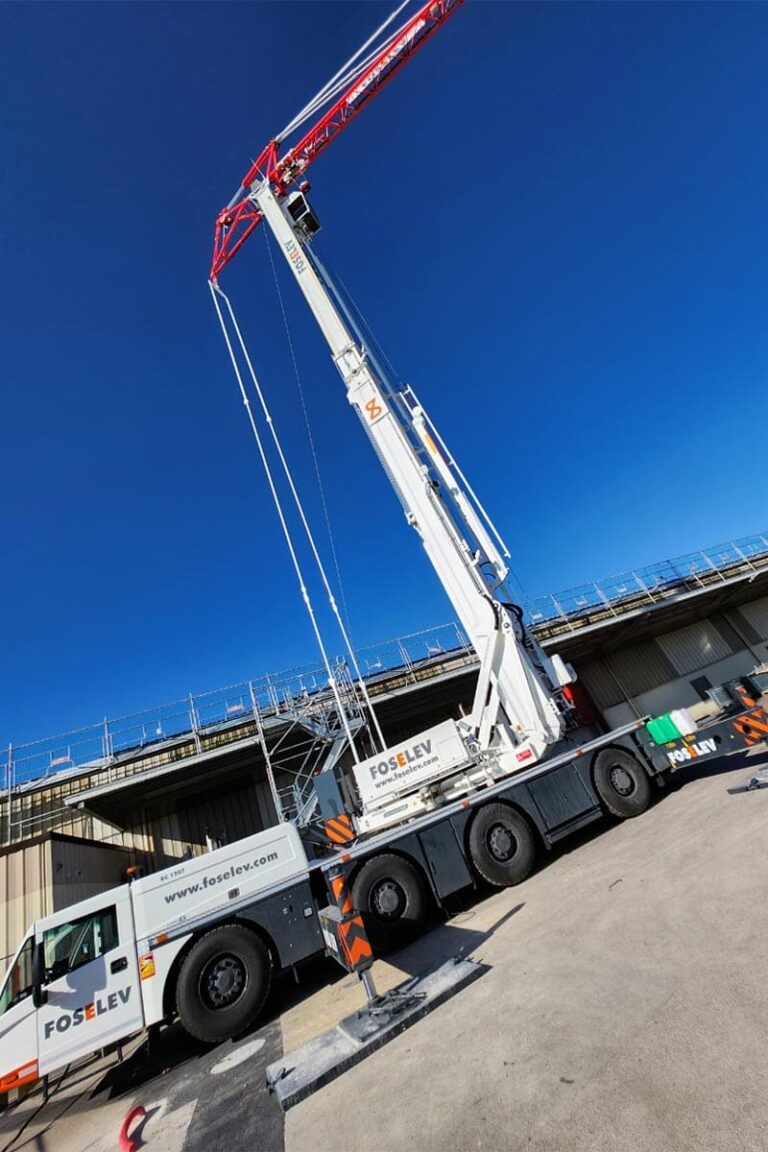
point(742, 762)
point(452, 940)
point(172, 1048)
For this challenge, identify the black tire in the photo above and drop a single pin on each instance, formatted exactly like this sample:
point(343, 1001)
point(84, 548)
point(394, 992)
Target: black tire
point(501, 845)
point(389, 892)
point(223, 983)
point(621, 782)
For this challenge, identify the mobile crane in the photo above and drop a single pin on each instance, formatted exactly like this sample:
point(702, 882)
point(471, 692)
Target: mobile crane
point(464, 801)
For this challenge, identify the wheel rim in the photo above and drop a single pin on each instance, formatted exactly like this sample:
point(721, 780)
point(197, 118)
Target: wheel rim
point(388, 900)
point(501, 842)
point(621, 781)
point(223, 981)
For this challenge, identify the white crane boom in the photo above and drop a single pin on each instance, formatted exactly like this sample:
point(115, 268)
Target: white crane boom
point(517, 713)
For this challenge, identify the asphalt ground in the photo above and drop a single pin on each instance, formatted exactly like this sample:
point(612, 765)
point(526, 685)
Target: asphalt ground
point(198, 1097)
point(624, 1006)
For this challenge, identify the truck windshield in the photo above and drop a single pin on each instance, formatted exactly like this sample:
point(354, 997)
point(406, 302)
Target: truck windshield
point(18, 982)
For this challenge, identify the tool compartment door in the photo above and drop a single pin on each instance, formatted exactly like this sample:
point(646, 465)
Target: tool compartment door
point(91, 979)
point(561, 797)
point(445, 859)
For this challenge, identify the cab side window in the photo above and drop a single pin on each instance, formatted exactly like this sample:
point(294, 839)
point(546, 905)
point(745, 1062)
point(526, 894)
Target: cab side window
point(69, 946)
point(18, 983)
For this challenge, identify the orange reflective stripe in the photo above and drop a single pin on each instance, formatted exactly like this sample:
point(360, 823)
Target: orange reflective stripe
point(341, 895)
point(748, 736)
point(355, 941)
point(339, 829)
point(19, 1076)
point(759, 722)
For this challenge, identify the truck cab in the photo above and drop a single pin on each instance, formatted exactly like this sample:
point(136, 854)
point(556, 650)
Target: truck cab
point(73, 987)
point(199, 940)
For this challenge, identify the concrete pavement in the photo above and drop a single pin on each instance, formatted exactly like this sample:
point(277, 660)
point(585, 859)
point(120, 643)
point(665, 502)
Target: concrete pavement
point(626, 1006)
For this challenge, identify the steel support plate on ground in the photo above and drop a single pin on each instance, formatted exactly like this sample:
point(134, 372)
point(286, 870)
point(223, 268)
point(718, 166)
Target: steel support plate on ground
point(757, 780)
point(298, 1074)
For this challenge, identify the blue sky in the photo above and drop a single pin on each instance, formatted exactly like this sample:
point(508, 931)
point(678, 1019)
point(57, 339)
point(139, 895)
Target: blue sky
point(554, 221)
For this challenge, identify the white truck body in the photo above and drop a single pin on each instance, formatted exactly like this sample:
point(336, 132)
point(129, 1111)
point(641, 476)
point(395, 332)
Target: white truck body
point(167, 899)
point(102, 973)
point(101, 970)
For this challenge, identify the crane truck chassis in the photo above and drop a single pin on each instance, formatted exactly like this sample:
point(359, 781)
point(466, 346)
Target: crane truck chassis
point(202, 940)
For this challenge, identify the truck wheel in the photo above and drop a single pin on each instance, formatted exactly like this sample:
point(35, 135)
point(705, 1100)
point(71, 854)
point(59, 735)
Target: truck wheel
point(389, 891)
point(223, 983)
point(501, 845)
point(621, 782)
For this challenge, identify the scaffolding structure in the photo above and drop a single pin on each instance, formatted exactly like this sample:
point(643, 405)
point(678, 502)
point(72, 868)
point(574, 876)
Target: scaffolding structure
point(292, 717)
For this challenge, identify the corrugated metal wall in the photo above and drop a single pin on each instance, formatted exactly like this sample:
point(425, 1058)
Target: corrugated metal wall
point(601, 685)
point(694, 647)
point(49, 873)
point(227, 813)
point(25, 891)
point(756, 614)
point(79, 870)
point(224, 815)
point(43, 809)
point(628, 672)
point(648, 665)
point(640, 667)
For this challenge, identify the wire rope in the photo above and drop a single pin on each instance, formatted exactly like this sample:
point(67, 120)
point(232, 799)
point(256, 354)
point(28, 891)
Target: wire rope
point(357, 321)
point(302, 516)
point(308, 427)
point(215, 293)
point(341, 79)
point(344, 74)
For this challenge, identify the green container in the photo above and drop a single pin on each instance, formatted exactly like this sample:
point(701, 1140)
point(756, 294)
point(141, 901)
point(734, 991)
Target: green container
point(662, 729)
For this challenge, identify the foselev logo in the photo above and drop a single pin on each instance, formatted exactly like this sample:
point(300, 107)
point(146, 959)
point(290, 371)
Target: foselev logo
point(691, 751)
point(97, 1007)
point(415, 756)
point(298, 262)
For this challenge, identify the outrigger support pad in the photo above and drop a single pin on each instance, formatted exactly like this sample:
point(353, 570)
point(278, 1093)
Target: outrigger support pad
point(751, 783)
point(298, 1074)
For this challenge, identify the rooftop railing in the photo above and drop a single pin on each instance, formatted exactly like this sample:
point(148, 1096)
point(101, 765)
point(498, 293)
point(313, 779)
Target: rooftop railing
point(571, 610)
point(414, 656)
point(200, 713)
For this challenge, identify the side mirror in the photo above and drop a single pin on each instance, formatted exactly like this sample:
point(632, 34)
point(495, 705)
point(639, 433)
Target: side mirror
point(39, 994)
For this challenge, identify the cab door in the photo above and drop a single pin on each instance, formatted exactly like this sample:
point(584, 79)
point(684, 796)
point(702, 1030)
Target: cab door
point(90, 979)
point(18, 1024)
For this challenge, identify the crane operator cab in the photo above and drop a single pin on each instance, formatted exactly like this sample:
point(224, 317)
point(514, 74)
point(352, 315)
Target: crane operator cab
point(302, 213)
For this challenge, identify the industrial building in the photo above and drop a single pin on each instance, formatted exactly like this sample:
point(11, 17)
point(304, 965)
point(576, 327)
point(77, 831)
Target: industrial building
point(78, 809)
